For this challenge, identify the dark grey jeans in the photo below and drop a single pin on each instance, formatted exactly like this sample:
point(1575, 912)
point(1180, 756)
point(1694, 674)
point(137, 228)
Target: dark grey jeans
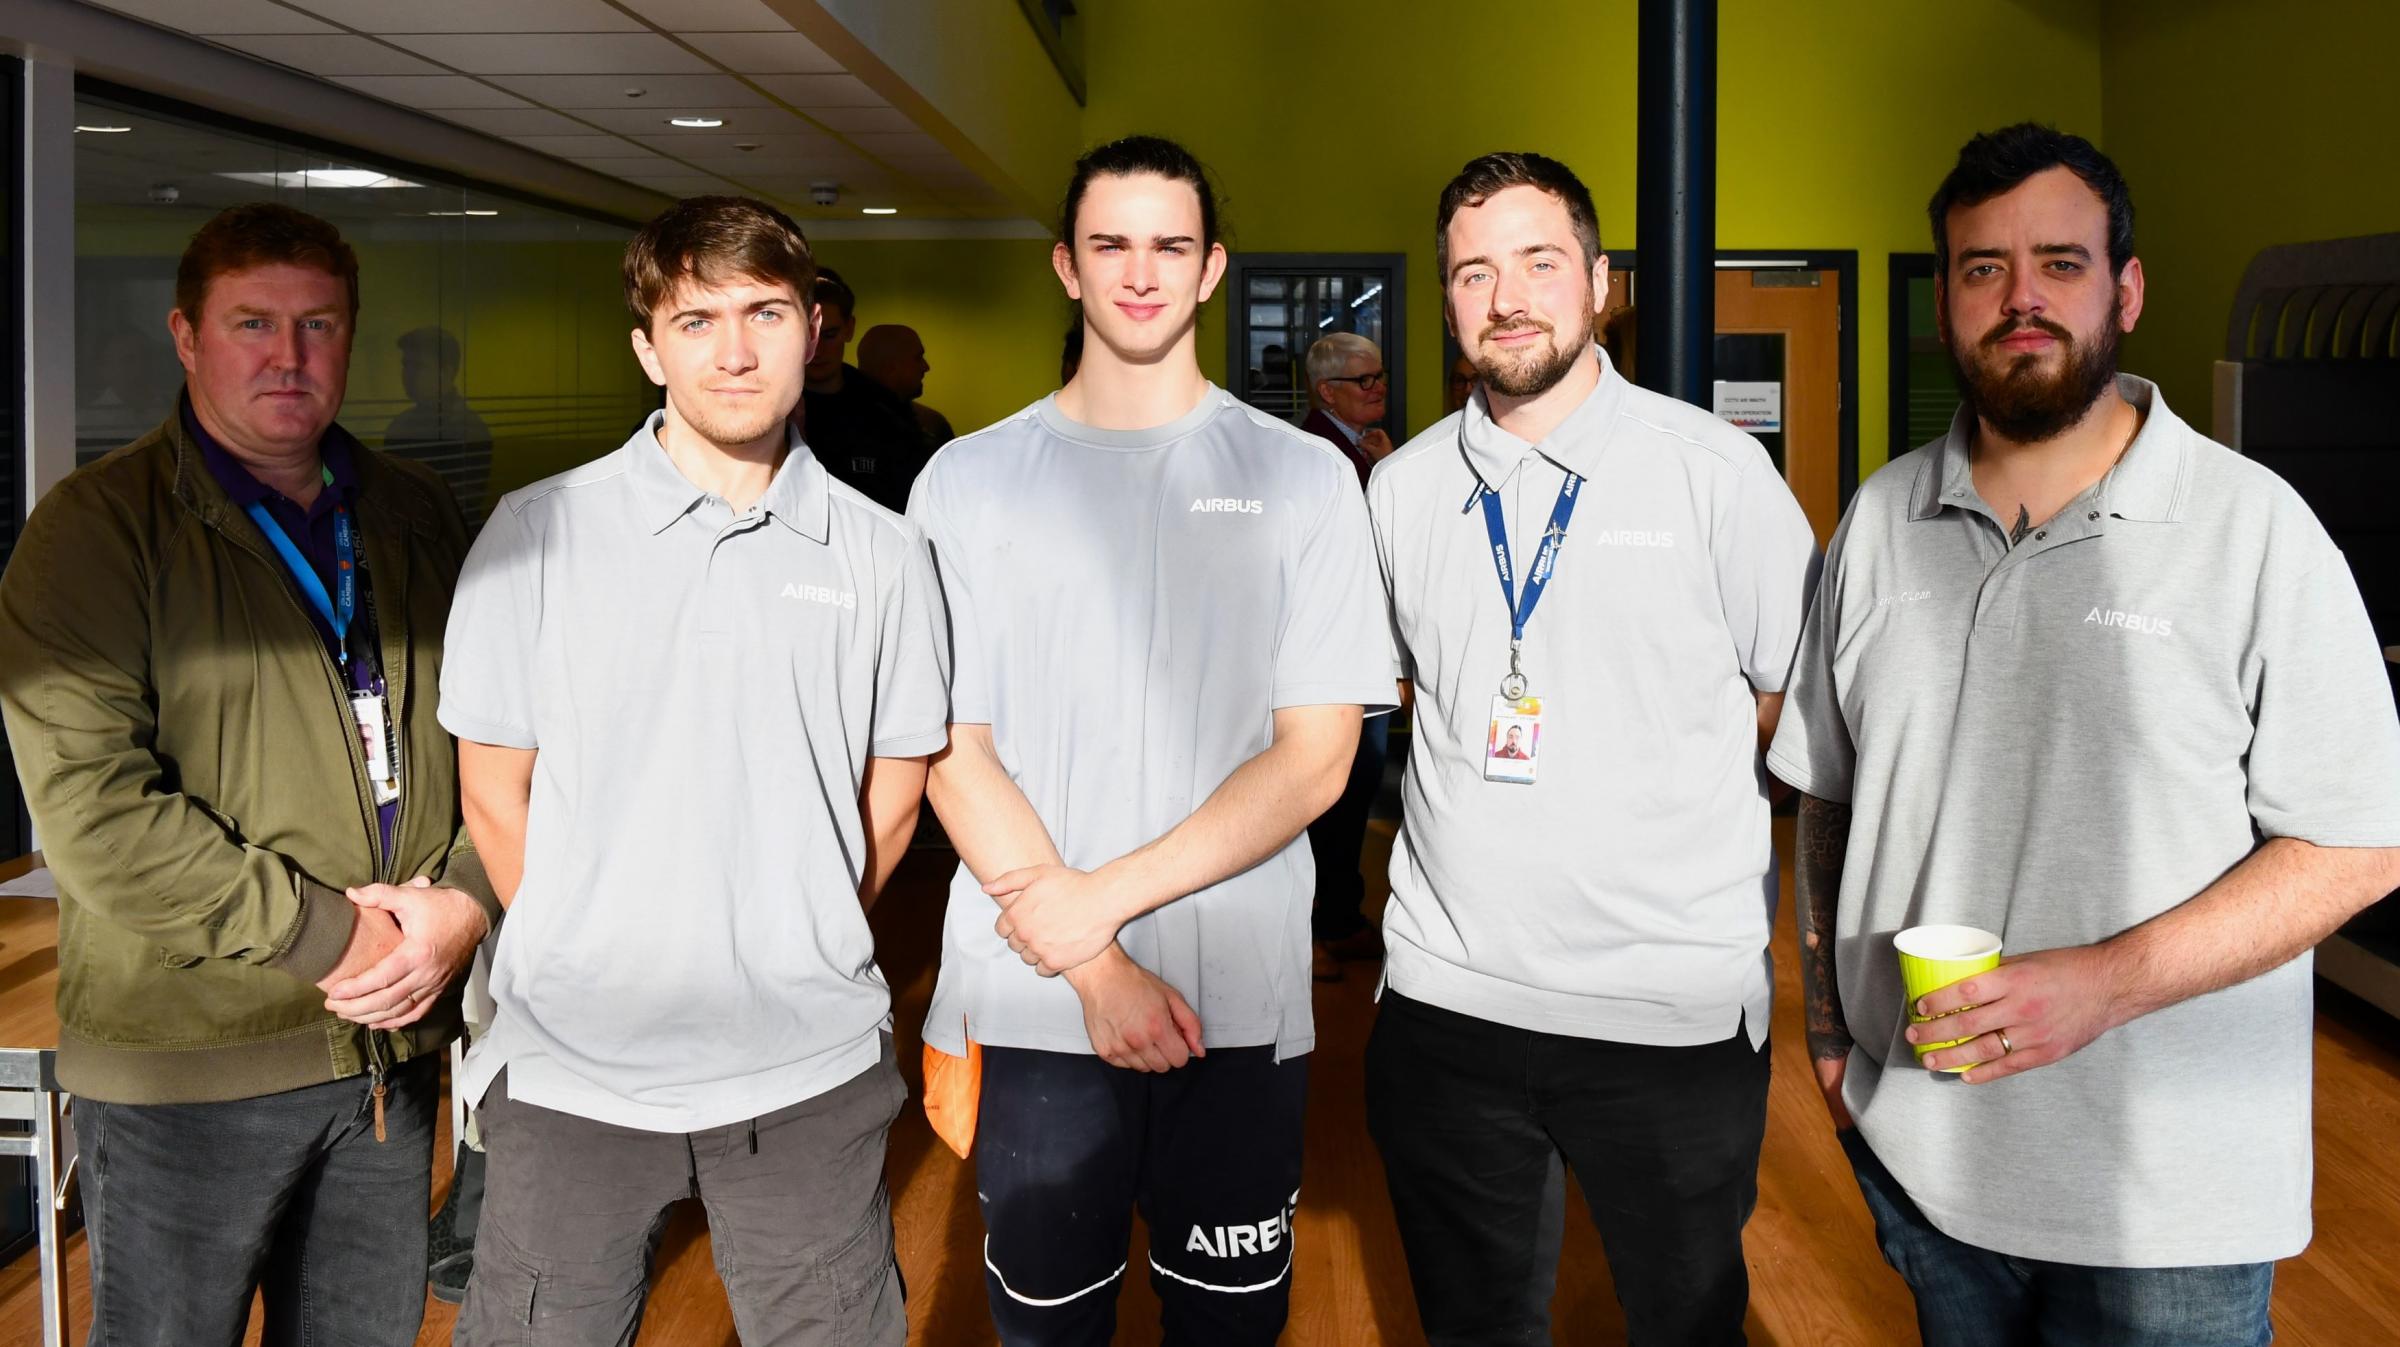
point(190, 1208)
point(798, 1218)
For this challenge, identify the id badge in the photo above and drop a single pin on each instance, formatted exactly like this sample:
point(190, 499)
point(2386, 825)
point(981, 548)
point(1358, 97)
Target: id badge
point(374, 735)
point(1513, 745)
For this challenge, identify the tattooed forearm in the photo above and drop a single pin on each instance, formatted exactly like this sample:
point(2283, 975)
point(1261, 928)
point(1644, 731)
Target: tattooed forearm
point(1823, 836)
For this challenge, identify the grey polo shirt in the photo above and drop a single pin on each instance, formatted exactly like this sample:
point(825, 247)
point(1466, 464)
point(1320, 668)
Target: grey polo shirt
point(704, 690)
point(1129, 610)
point(1628, 893)
point(2059, 742)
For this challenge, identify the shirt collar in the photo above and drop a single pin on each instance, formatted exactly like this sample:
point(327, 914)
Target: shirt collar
point(2148, 483)
point(1576, 444)
point(1349, 432)
point(798, 497)
point(338, 449)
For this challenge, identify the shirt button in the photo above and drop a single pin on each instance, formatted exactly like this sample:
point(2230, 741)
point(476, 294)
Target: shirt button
point(2041, 535)
point(2093, 515)
point(1958, 493)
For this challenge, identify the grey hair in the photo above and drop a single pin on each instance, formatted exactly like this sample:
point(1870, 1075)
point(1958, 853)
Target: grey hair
point(1331, 354)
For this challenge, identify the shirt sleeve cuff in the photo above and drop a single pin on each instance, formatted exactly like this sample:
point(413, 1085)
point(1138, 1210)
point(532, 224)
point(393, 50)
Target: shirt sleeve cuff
point(320, 936)
point(1797, 775)
point(497, 733)
point(916, 745)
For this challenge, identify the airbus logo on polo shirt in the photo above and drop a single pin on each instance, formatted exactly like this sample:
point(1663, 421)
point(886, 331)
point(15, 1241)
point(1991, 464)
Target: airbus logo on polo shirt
point(836, 598)
point(2112, 617)
point(1226, 505)
point(1632, 538)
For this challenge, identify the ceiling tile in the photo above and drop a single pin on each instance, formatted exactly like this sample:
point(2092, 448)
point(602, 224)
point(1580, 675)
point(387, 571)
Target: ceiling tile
point(577, 147)
point(474, 16)
point(622, 168)
point(216, 18)
point(555, 53)
point(682, 185)
point(516, 121)
point(576, 92)
point(765, 53)
point(820, 91)
point(889, 144)
point(431, 92)
point(710, 16)
point(333, 54)
point(728, 143)
point(852, 121)
point(740, 123)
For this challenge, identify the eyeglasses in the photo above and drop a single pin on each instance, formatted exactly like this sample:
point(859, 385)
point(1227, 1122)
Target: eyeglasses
point(1367, 383)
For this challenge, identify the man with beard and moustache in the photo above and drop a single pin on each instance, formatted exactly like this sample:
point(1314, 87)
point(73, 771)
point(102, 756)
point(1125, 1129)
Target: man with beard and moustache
point(695, 682)
point(1164, 609)
point(2081, 677)
point(1577, 937)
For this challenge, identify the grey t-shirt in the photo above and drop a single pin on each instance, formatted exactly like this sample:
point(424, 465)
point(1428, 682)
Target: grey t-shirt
point(703, 690)
point(1628, 893)
point(1128, 610)
point(2057, 743)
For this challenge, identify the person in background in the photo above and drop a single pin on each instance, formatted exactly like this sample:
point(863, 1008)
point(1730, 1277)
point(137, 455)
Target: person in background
point(439, 429)
point(893, 355)
point(218, 647)
point(2086, 679)
point(1461, 384)
point(1348, 383)
point(1347, 377)
point(862, 434)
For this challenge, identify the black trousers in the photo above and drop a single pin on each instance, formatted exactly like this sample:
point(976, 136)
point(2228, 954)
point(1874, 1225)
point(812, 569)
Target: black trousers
point(1066, 1146)
point(1469, 1116)
point(190, 1208)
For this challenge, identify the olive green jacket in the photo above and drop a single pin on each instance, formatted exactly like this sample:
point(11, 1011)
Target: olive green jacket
point(195, 779)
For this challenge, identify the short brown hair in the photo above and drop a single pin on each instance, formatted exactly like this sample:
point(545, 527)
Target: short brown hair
point(260, 234)
point(715, 239)
point(1487, 176)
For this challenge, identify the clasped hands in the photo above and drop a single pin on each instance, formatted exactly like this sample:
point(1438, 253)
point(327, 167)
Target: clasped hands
point(1062, 921)
point(415, 940)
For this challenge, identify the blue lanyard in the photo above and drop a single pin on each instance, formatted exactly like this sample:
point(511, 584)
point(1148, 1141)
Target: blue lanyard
point(337, 615)
point(1545, 560)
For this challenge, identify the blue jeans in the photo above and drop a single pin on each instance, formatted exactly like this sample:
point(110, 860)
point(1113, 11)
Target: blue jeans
point(1971, 1297)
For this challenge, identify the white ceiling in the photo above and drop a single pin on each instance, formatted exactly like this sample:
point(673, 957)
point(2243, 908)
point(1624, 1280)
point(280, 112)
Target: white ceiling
point(555, 76)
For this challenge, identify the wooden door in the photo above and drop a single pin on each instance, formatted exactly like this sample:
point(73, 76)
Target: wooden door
point(1804, 308)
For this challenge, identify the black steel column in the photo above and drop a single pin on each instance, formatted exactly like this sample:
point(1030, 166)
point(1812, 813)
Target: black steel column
point(1675, 208)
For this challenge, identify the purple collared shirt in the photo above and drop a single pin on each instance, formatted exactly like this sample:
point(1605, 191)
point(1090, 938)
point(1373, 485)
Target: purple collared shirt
point(312, 531)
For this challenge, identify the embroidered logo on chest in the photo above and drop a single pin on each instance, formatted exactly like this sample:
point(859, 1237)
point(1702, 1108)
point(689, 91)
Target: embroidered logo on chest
point(1629, 538)
point(1226, 505)
point(2148, 625)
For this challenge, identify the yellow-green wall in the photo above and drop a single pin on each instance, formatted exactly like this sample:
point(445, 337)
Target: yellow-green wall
point(2240, 126)
point(1332, 127)
point(990, 311)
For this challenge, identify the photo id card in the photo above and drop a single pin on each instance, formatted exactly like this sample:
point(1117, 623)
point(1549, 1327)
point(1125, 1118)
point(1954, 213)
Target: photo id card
point(1514, 743)
point(375, 736)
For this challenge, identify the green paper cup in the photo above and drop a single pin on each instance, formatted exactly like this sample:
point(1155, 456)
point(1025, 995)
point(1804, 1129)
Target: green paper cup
point(1933, 957)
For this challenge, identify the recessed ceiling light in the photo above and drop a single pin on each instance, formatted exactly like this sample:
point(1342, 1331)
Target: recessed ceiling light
point(635, 93)
point(879, 210)
point(696, 123)
point(446, 212)
point(479, 212)
point(323, 177)
point(104, 130)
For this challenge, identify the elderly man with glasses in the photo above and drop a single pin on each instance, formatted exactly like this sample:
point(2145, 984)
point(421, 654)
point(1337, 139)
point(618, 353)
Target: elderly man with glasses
point(1345, 372)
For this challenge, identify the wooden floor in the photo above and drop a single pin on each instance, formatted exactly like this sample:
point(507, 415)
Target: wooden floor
point(1815, 1276)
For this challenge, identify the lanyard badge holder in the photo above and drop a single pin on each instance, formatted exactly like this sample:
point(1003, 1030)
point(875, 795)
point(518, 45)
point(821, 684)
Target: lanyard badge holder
point(370, 711)
point(1512, 743)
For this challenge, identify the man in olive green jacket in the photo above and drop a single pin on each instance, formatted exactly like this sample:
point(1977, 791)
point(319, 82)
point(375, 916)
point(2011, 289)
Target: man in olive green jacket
point(219, 653)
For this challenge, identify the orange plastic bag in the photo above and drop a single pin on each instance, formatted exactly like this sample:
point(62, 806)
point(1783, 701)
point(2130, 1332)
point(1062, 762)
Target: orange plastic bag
point(953, 1091)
